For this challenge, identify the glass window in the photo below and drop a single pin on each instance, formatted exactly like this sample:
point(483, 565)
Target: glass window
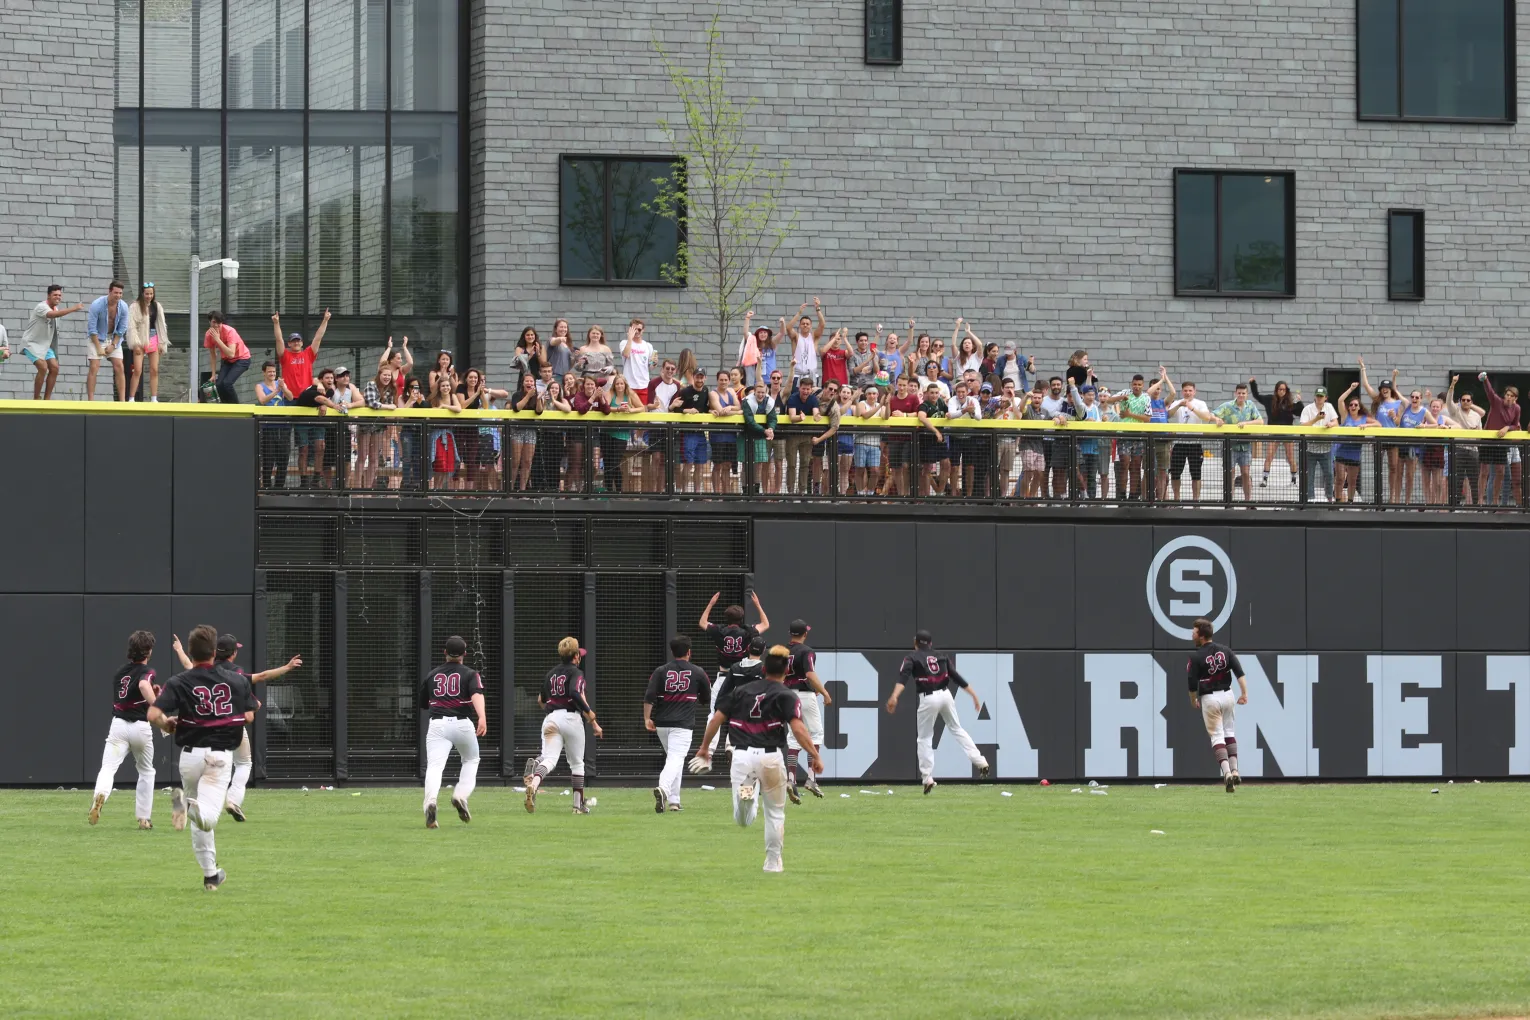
point(610, 233)
point(348, 55)
point(1436, 59)
point(129, 24)
point(424, 72)
point(265, 55)
point(1234, 233)
point(347, 169)
point(1405, 255)
point(884, 31)
point(182, 55)
point(126, 258)
point(182, 203)
point(424, 215)
point(265, 212)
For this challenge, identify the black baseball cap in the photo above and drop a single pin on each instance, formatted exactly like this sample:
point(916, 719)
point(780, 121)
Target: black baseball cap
point(756, 646)
point(227, 645)
point(799, 627)
point(456, 646)
point(923, 637)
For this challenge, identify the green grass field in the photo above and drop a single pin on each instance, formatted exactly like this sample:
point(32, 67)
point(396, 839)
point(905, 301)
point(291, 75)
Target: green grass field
point(1345, 901)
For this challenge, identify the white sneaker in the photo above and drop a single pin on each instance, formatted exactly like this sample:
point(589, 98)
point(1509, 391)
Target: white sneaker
point(773, 862)
point(746, 792)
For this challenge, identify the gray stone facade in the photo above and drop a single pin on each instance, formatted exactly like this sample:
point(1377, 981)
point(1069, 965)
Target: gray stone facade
point(56, 73)
point(1017, 170)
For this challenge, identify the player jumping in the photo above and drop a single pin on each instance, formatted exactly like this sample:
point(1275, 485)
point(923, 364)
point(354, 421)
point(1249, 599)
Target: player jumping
point(453, 695)
point(669, 709)
point(803, 681)
point(1211, 668)
point(132, 694)
point(732, 638)
point(562, 697)
point(932, 673)
point(759, 714)
point(205, 708)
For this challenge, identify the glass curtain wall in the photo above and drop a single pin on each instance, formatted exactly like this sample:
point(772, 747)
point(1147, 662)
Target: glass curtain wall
point(317, 142)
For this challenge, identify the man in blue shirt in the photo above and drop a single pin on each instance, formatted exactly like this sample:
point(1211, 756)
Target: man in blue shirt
point(106, 327)
point(803, 470)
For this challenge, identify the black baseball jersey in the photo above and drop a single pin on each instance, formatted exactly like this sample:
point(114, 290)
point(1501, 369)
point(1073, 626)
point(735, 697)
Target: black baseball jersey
point(673, 690)
point(732, 641)
point(447, 691)
point(563, 688)
point(1212, 667)
point(760, 714)
point(737, 674)
point(211, 704)
point(127, 698)
point(929, 671)
point(802, 662)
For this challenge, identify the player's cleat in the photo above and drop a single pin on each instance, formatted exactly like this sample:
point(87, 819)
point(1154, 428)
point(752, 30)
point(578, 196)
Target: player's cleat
point(812, 787)
point(929, 784)
point(95, 809)
point(235, 811)
point(792, 794)
point(531, 798)
point(658, 800)
point(1237, 779)
point(773, 862)
point(676, 808)
point(462, 811)
point(144, 823)
point(211, 882)
point(1229, 782)
point(746, 792)
point(178, 809)
point(581, 809)
point(430, 817)
point(983, 770)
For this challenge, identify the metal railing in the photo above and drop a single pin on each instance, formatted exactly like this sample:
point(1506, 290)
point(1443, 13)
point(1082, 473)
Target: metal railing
point(1080, 464)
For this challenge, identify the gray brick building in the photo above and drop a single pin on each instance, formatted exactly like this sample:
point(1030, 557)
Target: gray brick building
point(1017, 168)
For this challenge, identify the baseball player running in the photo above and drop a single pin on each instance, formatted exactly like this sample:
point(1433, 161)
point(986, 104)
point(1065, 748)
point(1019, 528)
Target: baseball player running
point(732, 638)
point(205, 708)
point(132, 694)
point(802, 680)
point(932, 673)
point(1212, 668)
point(669, 709)
point(562, 697)
point(759, 714)
point(453, 695)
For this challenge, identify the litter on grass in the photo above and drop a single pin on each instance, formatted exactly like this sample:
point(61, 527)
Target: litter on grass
point(1078, 789)
point(518, 789)
point(1100, 793)
point(1005, 793)
point(846, 796)
point(871, 793)
point(1159, 786)
point(356, 794)
point(566, 793)
point(1093, 783)
point(1156, 832)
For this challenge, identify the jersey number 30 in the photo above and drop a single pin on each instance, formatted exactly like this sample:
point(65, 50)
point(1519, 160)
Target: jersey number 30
point(217, 701)
point(448, 685)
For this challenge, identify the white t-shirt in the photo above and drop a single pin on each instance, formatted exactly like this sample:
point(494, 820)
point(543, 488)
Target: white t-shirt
point(1310, 414)
point(805, 355)
point(636, 360)
point(664, 394)
point(1184, 415)
point(41, 333)
point(969, 407)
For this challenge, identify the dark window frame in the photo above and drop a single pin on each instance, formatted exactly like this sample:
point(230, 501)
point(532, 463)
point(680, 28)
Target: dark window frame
point(1510, 74)
point(1419, 251)
point(1289, 177)
point(608, 159)
point(896, 60)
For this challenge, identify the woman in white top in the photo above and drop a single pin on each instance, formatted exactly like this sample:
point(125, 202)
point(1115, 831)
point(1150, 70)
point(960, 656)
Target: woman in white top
point(147, 336)
point(969, 356)
point(595, 358)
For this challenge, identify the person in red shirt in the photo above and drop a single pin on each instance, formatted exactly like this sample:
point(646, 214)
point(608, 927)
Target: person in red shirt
point(836, 358)
point(297, 361)
point(233, 354)
point(903, 404)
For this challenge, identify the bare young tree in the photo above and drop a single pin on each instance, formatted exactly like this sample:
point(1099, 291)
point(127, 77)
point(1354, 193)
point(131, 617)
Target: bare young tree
point(723, 197)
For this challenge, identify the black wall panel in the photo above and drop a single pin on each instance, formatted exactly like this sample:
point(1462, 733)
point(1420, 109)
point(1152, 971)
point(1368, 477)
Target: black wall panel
point(956, 594)
point(1485, 718)
point(44, 453)
point(1036, 584)
point(794, 578)
point(129, 517)
point(40, 736)
point(1417, 613)
point(104, 645)
point(214, 505)
point(1043, 690)
point(1272, 588)
point(876, 605)
point(1110, 564)
point(1344, 578)
point(1342, 716)
point(1492, 577)
point(230, 614)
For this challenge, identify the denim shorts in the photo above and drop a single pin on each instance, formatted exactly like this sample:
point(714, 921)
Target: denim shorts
point(697, 451)
point(867, 455)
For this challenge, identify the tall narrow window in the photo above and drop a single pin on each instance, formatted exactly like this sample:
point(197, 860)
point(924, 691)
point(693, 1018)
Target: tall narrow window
point(1405, 254)
point(884, 31)
point(610, 232)
point(1234, 233)
point(1442, 60)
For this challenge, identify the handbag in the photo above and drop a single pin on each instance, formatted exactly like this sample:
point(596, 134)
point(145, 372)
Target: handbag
point(751, 353)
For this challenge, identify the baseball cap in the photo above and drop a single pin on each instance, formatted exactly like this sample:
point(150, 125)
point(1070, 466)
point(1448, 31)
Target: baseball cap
point(1086, 388)
point(987, 387)
point(1322, 391)
point(923, 637)
point(756, 646)
point(227, 645)
point(799, 627)
point(295, 336)
point(342, 370)
point(456, 646)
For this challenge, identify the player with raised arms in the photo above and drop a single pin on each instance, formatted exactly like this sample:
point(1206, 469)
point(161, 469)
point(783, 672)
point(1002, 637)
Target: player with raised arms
point(132, 693)
point(932, 673)
point(206, 708)
point(759, 715)
point(802, 680)
point(732, 637)
point(562, 698)
point(669, 709)
point(453, 695)
point(1211, 670)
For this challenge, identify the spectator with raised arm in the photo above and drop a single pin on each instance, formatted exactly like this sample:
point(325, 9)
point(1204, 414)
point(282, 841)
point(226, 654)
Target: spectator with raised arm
point(1467, 475)
point(864, 363)
point(1134, 406)
point(39, 341)
point(1502, 417)
point(1436, 489)
point(639, 360)
point(1085, 408)
point(1347, 455)
point(560, 349)
point(1414, 414)
point(1017, 367)
point(1386, 408)
point(834, 355)
point(1280, 408)
point(805, 341)
point(401, 360)
point(296, 358)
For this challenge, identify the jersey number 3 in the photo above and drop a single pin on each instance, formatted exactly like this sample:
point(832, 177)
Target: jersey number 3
point(216, 701)
point(124, 686)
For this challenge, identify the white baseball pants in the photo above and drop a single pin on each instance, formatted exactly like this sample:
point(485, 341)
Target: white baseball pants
point(941, 704)
point(563, 733)
point(676, 741)
point(206, 774)
point(1218, 709)
point(812, 718)
point(243, 762)
point(122, 738)
point(767, 771)
point(442, 736)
